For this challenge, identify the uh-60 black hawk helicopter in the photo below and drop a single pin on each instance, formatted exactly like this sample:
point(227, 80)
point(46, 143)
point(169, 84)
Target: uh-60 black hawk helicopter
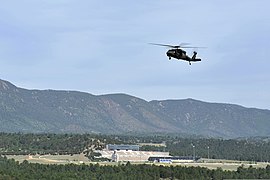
point(179, 53)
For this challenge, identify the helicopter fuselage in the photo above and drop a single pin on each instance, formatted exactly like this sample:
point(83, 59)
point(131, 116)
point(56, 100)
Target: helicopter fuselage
point(181, 54)
point(177, 53)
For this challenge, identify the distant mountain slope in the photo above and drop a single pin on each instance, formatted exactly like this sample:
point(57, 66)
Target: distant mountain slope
point(39, 111)
point(215, 119)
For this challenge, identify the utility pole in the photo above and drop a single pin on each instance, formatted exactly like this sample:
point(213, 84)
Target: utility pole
point(208, 152)
point(193, 151)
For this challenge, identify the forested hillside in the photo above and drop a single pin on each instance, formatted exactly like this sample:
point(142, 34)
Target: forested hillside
point(50, 111)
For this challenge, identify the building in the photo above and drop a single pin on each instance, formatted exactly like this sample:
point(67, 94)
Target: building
point(165, 160)
point(132, 156)
point(118, 147)
point(128, 152)
point(174, 159)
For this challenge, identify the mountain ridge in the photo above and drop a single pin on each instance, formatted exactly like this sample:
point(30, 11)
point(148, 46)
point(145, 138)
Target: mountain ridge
point(39, 111)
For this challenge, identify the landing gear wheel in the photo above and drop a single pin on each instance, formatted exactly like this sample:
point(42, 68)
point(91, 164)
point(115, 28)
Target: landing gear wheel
point(170, 58)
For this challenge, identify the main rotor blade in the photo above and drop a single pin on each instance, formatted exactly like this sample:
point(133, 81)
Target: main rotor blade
point(191, 47)
point(182, 45)
point(166, 45)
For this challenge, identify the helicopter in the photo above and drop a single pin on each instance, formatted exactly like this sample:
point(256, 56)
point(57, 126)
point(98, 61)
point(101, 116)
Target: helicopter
point(179, 53)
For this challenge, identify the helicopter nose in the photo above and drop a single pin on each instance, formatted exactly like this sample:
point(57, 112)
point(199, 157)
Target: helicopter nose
point(169, 53)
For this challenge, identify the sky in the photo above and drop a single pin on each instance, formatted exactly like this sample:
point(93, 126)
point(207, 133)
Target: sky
point(102, 47)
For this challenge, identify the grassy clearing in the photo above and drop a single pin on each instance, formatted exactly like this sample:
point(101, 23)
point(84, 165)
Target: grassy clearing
point(52, 159)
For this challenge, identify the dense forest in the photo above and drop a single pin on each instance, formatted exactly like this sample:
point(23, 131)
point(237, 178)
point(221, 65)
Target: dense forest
point(255, 149)
point(9, 169)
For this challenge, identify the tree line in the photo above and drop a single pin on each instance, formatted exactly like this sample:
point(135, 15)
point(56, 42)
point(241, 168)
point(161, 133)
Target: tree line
point(234, 149)
point(10, 169)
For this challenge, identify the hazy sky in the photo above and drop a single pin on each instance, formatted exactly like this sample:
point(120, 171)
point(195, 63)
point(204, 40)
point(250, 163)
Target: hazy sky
point(101, 47)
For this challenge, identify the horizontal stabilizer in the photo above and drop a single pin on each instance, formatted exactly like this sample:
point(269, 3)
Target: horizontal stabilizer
point(196, 60)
